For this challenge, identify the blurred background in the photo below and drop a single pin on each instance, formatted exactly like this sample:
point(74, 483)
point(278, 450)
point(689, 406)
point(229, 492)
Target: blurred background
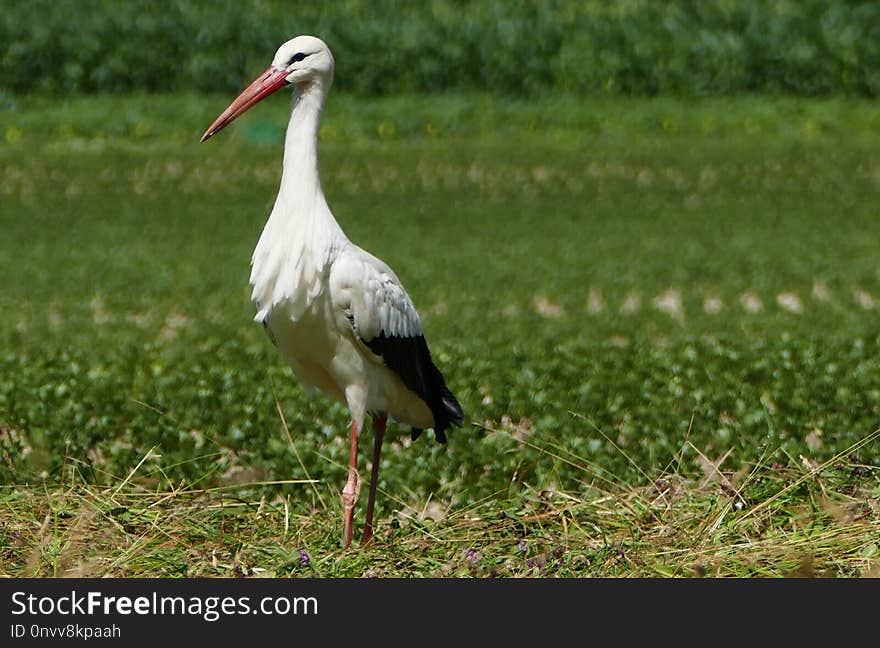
point(639, 233)
point(521, 47)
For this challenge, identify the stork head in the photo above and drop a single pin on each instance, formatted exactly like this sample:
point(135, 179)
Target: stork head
point(300, 61)
point(305, 58)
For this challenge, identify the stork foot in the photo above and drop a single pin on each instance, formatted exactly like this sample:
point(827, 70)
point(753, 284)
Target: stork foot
point(349, 498)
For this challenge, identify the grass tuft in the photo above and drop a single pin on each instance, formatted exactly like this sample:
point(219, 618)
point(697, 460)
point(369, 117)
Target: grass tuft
point(799, 519)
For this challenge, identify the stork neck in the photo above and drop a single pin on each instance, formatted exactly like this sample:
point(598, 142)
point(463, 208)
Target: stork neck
point(299, 176)
point(301, 236)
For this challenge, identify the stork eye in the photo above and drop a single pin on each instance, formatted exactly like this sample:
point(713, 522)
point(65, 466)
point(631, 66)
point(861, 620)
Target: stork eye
point(298, 57)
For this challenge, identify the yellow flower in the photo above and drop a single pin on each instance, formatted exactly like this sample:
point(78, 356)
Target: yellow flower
point(142, 129)
point(13, 135)
point(386, 129)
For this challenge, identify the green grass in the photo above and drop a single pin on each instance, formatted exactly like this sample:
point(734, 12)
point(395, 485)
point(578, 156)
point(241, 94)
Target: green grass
point(622, 294)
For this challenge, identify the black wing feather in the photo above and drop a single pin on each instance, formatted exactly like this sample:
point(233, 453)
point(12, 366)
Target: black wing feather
point(410, 359)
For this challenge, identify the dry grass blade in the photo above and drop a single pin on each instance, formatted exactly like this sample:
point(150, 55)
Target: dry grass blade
point(293, 447)
point(149, 454)
point(812, 473)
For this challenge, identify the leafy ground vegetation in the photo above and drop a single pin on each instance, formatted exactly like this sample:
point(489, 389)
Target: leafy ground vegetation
point(660, 317)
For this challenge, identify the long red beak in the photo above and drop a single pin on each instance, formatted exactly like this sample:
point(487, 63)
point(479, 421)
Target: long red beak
point(264, 85)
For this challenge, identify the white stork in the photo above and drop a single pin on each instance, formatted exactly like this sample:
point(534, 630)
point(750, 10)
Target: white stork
point(339, 315)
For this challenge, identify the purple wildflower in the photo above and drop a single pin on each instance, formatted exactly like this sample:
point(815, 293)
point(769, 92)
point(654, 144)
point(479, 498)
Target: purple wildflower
point(472, 556)
point(522, 546)
point(304, 558)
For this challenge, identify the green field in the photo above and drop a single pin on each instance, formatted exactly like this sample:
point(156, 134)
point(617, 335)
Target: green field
point(660, 316)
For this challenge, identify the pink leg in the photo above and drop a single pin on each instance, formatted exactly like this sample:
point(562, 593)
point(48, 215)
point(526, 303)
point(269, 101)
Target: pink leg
point(379, 421)
point(352, 487)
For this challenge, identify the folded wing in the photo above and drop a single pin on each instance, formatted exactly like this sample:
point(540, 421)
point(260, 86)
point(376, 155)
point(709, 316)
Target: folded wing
point(383, 319)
